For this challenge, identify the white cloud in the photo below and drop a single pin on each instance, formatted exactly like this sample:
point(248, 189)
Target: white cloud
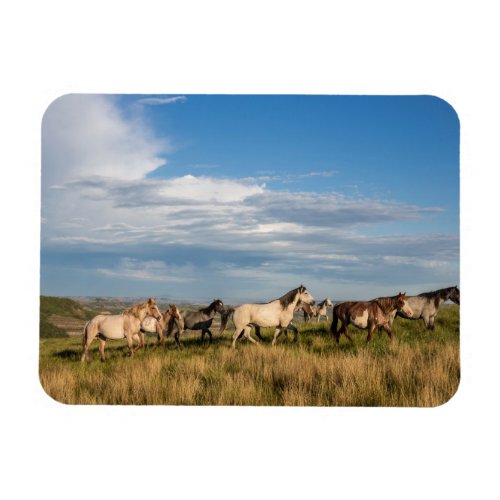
point(202, 189)
point(155, 101)
point(149, 270)
point(85, 135)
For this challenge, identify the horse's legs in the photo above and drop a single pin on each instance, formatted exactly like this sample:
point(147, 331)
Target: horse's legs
point(140, 340)
point(431, 322)
point(257, 332)
point(388, 329)
point(371, 328)
point(160, 338)
point(246, 332)
point(89, 334)
point(177, 340)
point(427, 321)
point(346, 333)
point(102, 345)
point(295, 333)
point(277, 333)
point(130, 342)
point(236, 335)
point(206, 330)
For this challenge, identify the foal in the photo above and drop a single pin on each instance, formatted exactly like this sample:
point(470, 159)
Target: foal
point(152, 325)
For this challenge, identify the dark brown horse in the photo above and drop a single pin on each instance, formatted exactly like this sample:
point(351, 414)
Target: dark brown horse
point(368, 315)
point(199, 320)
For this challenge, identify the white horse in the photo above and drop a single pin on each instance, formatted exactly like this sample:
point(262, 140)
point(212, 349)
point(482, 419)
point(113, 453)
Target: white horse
point(321, 309)
point(425, 306)
point(278, 313)
point(118, 326)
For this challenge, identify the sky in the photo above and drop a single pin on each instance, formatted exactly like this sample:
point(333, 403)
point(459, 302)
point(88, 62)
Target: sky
point(245, 197)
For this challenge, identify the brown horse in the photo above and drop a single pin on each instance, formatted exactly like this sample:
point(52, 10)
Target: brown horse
point(368, 315)
point(152, 325)
point(118, 326)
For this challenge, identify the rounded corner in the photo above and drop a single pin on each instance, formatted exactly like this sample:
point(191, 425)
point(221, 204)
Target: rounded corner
point(52, 398)
point(52, 103)
point(453, 395)
point(447, 104)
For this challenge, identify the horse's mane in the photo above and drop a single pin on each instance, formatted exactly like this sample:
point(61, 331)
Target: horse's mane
point(210, 307)
point(442, 293)
point(321, 304)
point(437, 295)
point(387, 304)
point(136, 309)
point(289, 297)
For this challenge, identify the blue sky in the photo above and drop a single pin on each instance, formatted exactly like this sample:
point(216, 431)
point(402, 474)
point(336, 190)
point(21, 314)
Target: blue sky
point(194, 197)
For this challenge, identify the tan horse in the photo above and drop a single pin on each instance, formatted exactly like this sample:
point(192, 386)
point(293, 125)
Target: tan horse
point(152, 325)
point(117, 327)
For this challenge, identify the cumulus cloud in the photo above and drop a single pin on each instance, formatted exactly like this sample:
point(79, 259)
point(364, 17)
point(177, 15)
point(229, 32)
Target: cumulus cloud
point(85, 135)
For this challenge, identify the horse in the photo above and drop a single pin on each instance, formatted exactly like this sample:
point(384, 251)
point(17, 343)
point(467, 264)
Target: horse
point(321, 309)
point(200, 320)
point(309, 313)
point(277, 313)
point(118, 326)
point(152, 325)
point(425, 306)
point(368, 315)
point(301, 306)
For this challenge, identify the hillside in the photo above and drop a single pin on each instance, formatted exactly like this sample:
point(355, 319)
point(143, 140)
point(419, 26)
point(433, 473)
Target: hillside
point(60, 317)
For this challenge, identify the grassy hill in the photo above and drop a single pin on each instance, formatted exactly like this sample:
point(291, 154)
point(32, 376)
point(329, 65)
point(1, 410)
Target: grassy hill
point(53, 309)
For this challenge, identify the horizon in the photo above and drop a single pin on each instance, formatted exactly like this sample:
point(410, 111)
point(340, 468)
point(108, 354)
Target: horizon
point(247, 196)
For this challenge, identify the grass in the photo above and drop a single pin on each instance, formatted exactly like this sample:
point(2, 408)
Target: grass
point(419, 368)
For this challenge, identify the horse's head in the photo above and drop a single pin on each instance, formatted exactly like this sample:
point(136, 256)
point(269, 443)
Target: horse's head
point(403, 306)
point(152, 309)
point(173, 311)
point(328, 302)
point(218, 305)
point(302, 306)
point(455, 295)
point(304, 295)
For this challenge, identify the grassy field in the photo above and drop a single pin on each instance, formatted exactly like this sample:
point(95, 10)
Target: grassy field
point(419, 368)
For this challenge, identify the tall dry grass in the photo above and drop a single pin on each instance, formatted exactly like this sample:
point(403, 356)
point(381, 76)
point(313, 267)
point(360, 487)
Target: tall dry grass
point(419, 368)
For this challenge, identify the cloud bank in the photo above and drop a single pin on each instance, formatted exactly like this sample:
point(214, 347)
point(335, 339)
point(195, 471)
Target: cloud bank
point(97, 198)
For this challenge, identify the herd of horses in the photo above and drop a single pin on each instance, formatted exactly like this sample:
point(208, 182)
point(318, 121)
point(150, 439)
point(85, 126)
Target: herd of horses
point(378, 313)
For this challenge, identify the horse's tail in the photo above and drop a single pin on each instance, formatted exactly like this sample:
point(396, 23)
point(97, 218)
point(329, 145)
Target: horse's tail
point(334, 325)
point(224, 318)
point(85, 338)
point(85, 334)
